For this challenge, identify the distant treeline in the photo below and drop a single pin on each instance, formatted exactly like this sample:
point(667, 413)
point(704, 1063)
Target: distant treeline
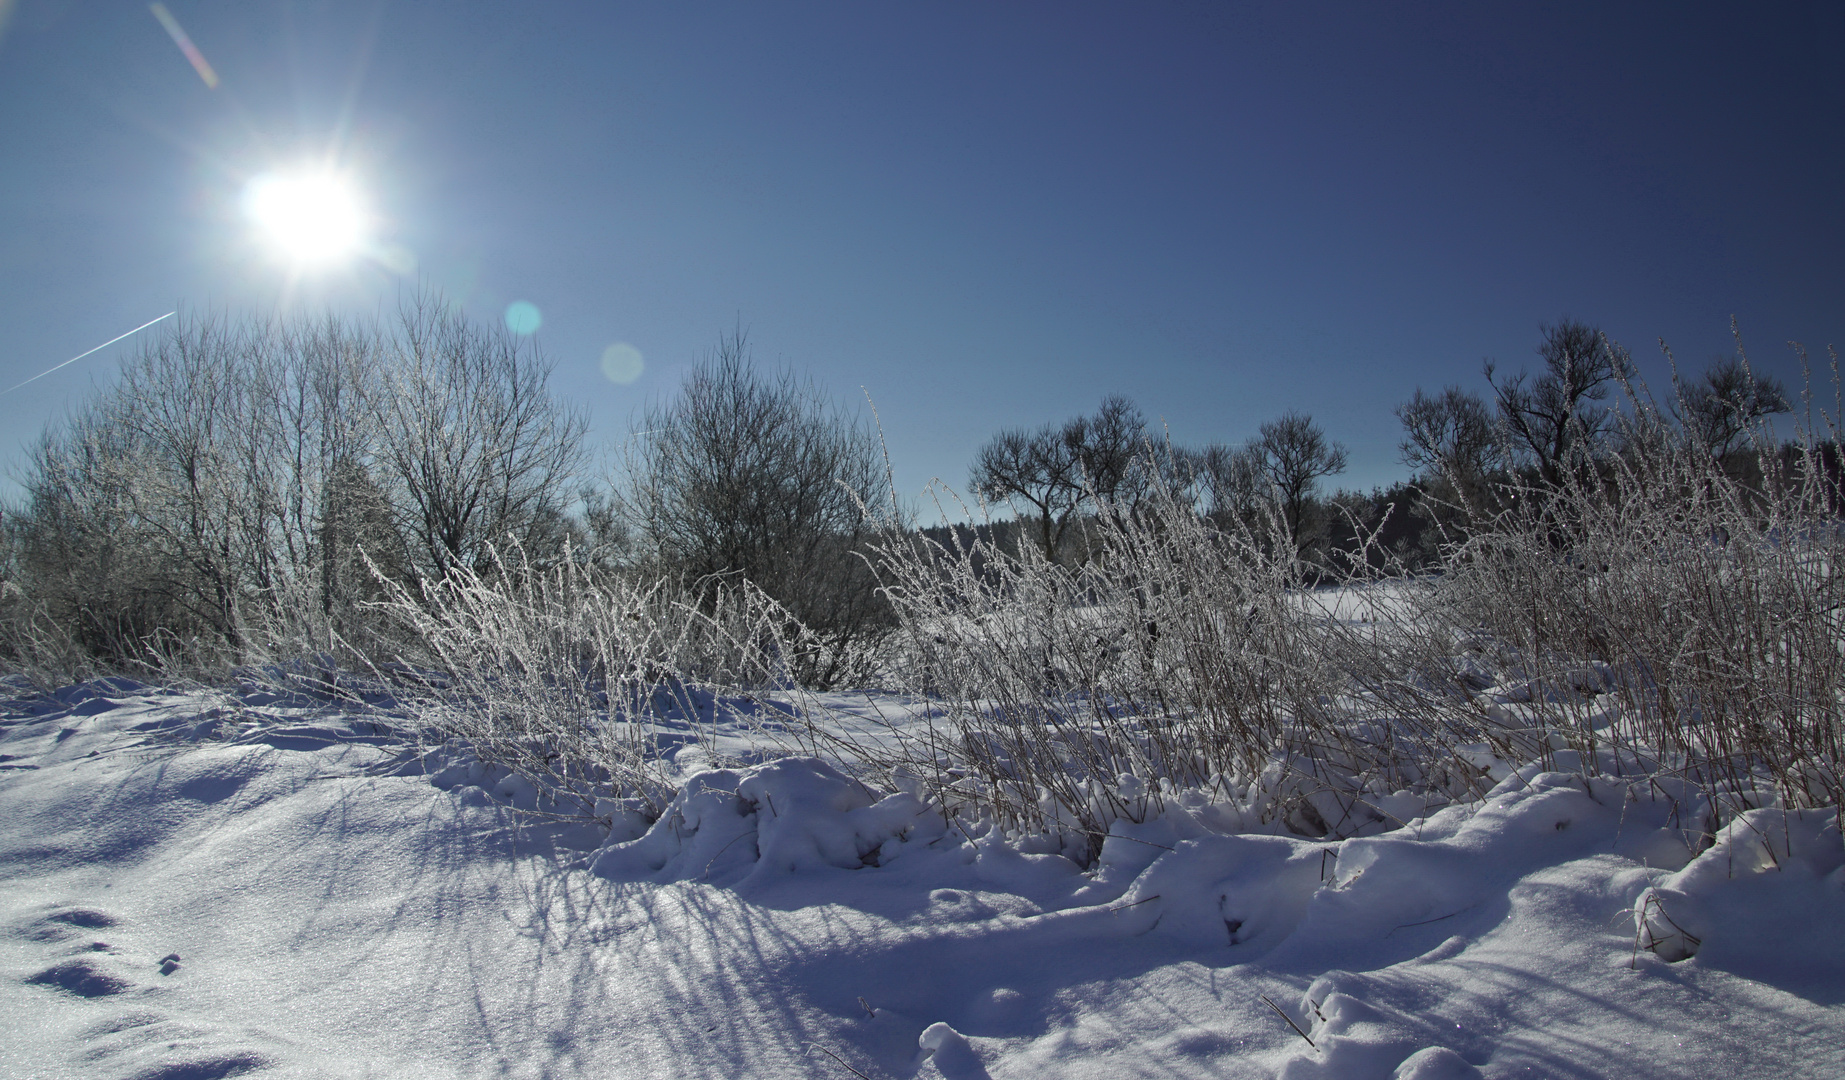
point(249, 488)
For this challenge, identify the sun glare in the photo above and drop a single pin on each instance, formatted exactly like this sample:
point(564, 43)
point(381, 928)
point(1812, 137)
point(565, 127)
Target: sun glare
point(312, 218)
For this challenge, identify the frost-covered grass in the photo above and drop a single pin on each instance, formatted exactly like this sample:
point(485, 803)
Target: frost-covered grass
point(1663, 621)
point(1659, 618)
point(1183, 657)
point(1673, 611)
point(573, 681)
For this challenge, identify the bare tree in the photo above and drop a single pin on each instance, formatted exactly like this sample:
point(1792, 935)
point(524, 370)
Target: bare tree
point(1038, 470)
point(1126, 466)
point(82, 561)
point(1054, 472)
point(189, 402)
point(1452, 440)
point(473, 449)
point(1552, 420)
point(762, 477)
point(163, 476)
point(1726, 405)
point(235, 472)
point(1237, 486)
point(1451, 433)
point(1294, 455)
point(337, 507)
point(1110, 449)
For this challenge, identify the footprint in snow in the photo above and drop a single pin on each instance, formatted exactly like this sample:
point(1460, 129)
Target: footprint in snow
point(84, 977)
point(149, 1045)
point(215, 1067)
point(960, 906)
point(63, 925)
point(88, 918)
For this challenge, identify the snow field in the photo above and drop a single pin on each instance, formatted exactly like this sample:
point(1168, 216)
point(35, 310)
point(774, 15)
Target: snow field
point(338, 909)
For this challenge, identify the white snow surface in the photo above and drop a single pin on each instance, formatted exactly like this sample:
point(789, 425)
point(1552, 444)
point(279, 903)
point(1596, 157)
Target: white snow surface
point(194, 886)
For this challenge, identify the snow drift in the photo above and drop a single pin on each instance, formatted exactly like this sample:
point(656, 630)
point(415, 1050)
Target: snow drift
point(203, 888)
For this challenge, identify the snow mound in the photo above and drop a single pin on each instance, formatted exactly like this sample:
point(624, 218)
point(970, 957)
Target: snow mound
point(1435, 1063)
point(1791, 861)
point(1255, 892)
point(949, 1053)
point(729, 826)
point(1225, 891)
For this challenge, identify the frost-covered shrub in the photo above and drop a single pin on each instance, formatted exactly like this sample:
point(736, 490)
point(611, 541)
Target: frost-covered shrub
point(1184, 655)
point(1668, 605)
point(1664, 611)
point(579, 681)
point(758, 477)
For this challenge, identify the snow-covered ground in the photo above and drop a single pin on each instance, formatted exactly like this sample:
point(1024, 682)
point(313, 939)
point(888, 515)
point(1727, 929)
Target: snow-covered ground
point(193, 886)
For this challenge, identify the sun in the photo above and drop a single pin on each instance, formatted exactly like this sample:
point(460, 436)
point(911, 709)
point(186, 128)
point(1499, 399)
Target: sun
point(311, 218)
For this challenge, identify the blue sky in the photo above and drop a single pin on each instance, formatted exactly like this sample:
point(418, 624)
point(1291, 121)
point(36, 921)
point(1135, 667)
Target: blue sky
point(987, 215)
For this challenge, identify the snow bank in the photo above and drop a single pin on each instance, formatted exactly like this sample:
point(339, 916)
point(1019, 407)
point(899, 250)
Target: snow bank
point(186, 897)
point(1790, 863)
point(1253, 892)
point(729, 826)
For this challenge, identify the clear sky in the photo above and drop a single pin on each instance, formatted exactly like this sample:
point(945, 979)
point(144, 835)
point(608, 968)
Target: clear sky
point(986, 214)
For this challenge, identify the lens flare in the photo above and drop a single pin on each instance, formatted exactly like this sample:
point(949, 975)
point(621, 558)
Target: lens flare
point(621, 363)
point(396, 258)
point(312, 218)
point(523, 317)
point(180, 38)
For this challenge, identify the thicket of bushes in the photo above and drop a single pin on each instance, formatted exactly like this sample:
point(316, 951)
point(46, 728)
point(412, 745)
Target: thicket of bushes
point(250, 492)
point(243, 489)
point(1579, 576)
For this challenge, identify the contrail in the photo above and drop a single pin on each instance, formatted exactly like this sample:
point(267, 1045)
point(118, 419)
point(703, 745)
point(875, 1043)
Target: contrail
point(98, 348)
